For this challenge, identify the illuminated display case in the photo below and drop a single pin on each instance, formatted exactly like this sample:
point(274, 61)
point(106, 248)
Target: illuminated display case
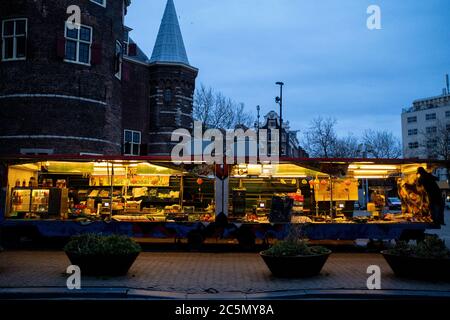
point(38, 202)
point(20, 200)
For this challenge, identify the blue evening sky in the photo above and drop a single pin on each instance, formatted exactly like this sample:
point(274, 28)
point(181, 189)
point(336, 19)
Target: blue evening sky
point(331, 63)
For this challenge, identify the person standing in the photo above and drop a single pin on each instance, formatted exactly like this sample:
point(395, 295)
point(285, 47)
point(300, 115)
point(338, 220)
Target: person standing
point(437, 206)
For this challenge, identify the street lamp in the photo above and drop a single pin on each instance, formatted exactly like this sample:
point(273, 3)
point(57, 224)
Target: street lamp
point(279, 100)
point(258, 108)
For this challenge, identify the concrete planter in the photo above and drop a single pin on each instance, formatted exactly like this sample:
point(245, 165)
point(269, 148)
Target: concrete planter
point(295, 266)
point(103, 265)
point(418, 268)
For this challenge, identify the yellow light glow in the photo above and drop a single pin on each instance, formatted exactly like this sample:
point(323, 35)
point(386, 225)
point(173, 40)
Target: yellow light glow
point(373, 167)
point(289, 176)
point(370, 172)
point(370, 177)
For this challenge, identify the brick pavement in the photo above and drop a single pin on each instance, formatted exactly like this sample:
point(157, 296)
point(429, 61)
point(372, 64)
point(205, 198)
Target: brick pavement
point(192, 273)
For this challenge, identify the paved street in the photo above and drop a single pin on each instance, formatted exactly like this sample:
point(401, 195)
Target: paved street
point(208, 273)
point(203, 273)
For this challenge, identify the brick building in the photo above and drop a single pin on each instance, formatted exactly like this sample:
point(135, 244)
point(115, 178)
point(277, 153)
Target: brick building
point(90, 89)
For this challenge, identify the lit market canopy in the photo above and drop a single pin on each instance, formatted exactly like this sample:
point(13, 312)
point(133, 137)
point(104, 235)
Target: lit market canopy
point(283, 170)
point(104, 168)
point(357, 170)
point(370, 170)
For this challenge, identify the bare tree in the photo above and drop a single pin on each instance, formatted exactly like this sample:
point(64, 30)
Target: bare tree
point(215, 110)
point(347, 147)
point(436, 141)
point(242, 117)
point(382, 144)
point(204, 101)
point(320, 137)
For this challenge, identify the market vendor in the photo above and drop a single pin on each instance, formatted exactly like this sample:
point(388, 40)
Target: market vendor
point(428, 182)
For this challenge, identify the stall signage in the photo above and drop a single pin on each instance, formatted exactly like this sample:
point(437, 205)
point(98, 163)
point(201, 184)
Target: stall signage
point(144, 181)
point(340, 190)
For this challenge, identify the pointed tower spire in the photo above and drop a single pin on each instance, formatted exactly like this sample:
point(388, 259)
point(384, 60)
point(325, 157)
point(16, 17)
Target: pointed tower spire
point(169, 46)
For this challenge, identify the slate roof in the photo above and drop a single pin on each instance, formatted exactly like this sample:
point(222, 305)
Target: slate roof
point(169, 46)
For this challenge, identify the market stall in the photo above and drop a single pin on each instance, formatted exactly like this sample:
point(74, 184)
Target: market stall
point(153, 198)
point(326, 196)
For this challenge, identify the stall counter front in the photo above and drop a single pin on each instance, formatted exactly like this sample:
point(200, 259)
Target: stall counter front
point(15, 229)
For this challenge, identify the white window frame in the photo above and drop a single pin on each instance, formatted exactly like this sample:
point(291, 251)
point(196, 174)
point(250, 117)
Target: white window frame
point(14, 58)
point(103, 4)
point(430, 116)
point(412, 132)
point(132, 143)
point(118, 75)
point(78, 41)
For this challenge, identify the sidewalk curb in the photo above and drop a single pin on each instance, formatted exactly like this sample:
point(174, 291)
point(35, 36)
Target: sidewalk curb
point(54, 293)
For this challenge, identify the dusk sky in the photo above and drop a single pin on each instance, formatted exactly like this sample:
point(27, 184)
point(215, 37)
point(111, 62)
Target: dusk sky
point(331, 63)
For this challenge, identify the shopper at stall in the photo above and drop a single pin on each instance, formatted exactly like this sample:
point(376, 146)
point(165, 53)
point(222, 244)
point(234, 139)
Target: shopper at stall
point(428, 182)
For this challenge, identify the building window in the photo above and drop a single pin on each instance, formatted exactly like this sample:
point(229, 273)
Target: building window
point(14, 39)
point(132, 143)
point(431, 144)
point(100, 2)
point(118, 60)
point(272, 123)
point(412, 119)
point(431, 130)
point(413, 145)
point(447, 114)
point(447, 126)
point(167, 96)
point(412, 132)
point(430, 116)
point(78, 45)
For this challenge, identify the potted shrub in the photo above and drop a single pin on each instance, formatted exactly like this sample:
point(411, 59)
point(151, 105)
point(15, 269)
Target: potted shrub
point(294, 257)
point(429, 259)
point(100, 255)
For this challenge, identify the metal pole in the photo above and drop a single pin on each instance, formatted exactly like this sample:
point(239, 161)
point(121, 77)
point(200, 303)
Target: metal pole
point(111, 191)
point(258, 108)
point(281, 120)
point(281, 84)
